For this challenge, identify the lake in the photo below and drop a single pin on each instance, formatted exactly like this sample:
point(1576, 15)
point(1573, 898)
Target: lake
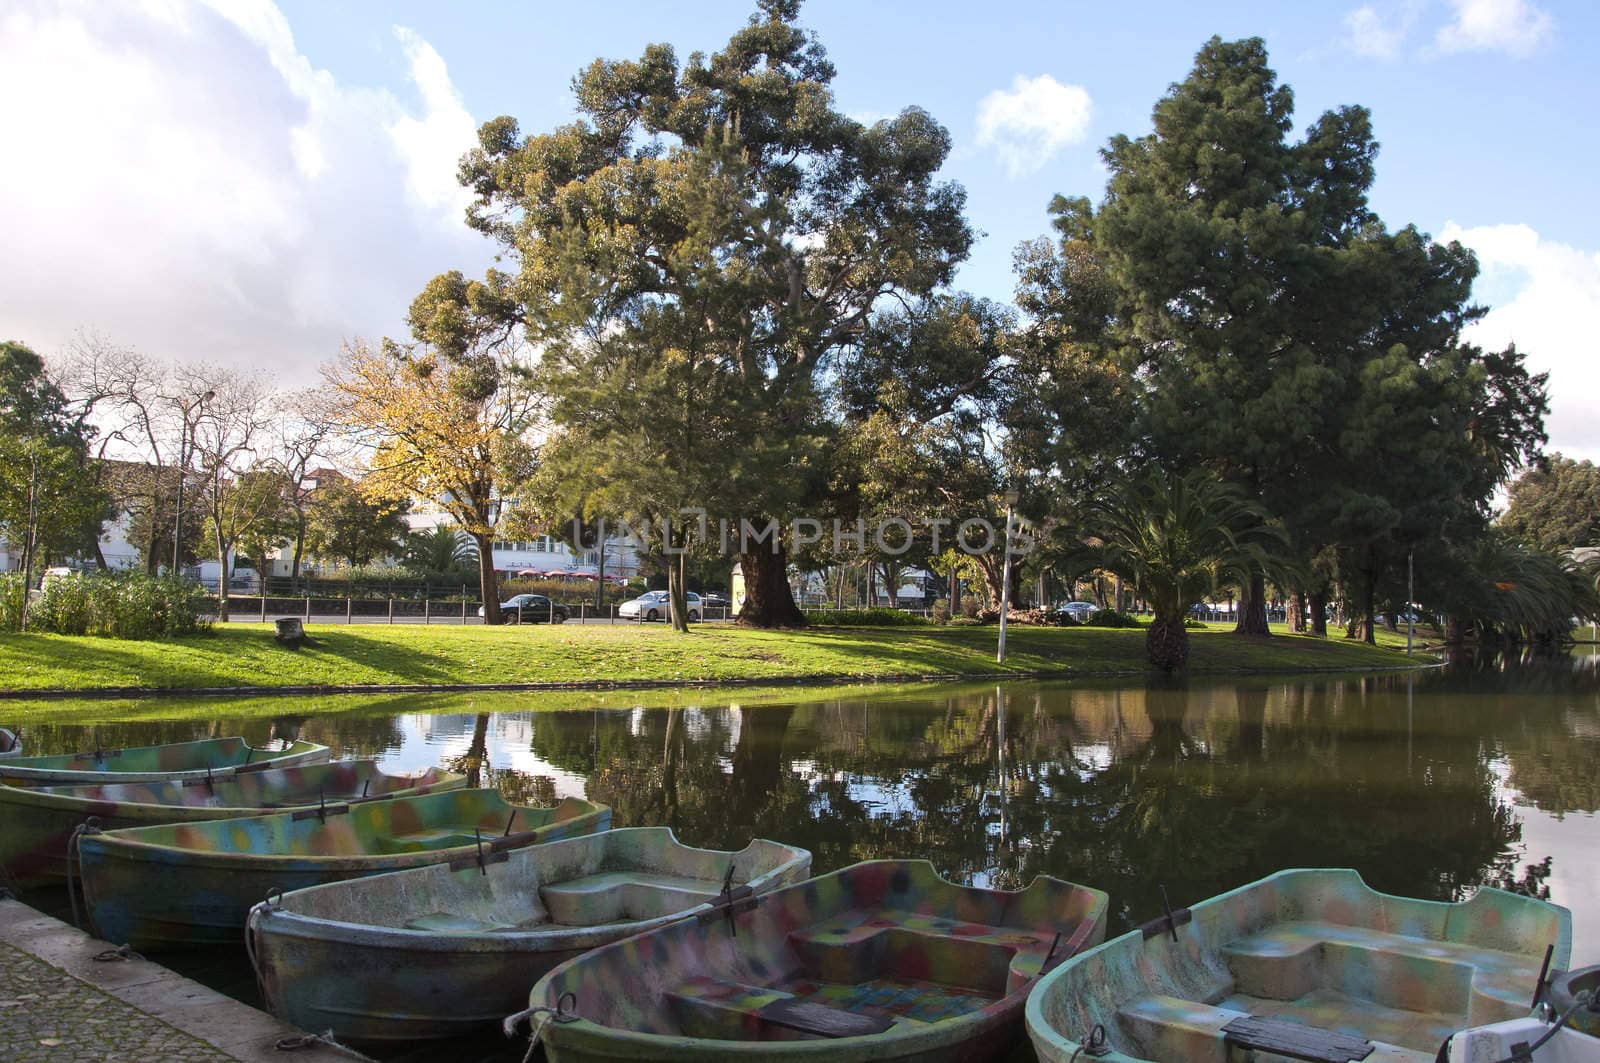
point(1431, 784)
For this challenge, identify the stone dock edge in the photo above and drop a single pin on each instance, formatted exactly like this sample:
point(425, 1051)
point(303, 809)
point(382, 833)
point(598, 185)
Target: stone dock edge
point(234, 1030)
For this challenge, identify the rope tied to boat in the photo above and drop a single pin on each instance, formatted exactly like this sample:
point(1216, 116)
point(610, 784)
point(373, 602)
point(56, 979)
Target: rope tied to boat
point(75, 859)
point(300, 1042)
point(538, 1017)
point(1095, 1047)
point(117, 955)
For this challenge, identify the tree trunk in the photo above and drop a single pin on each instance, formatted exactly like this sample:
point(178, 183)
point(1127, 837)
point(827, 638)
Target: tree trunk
point(1253, 608)
point(100, 556)
point(299, 552)
point(1368, 622)
point(1166, 642)
point(677, 594)
point(1295, 612)
point(891, 585)
point(222, 579)
point(488, 587)
point(768, 601)
point(1319, 613)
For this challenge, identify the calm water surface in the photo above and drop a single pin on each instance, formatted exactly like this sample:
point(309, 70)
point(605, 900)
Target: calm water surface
point(1431, 784)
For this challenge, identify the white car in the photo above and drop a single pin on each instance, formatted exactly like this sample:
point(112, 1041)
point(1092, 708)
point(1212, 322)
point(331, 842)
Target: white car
point(1077, 612)
point(653, 605)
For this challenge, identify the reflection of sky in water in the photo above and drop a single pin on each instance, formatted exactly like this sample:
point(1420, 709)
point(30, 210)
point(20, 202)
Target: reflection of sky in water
point(1573, 839)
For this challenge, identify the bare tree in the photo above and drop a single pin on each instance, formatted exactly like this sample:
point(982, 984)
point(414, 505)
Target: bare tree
point(232, 416)
point(307, 438)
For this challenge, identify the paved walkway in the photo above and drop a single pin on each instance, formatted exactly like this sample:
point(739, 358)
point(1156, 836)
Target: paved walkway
point(58, 1004)
point(48, 1016)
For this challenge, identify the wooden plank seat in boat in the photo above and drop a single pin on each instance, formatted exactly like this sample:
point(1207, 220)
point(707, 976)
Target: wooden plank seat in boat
point(608, 896)
point(1173, 1028)
point(1295, 1040)
point(1447, 978)
point(712, 1007)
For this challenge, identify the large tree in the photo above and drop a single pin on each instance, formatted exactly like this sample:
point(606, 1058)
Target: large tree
point(51, 504)
point(1555, 504)
point(1284, 337)
point(444, 421)
point(725, 202)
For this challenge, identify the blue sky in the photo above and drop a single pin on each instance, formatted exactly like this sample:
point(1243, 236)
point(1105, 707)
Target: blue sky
point(249, 181)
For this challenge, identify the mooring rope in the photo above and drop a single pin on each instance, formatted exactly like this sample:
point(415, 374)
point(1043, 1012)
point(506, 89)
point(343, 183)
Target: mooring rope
point(303, 1041)
point(538, 1017)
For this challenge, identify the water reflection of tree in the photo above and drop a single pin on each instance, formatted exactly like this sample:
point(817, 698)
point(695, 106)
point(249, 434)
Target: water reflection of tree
point(1319, 777)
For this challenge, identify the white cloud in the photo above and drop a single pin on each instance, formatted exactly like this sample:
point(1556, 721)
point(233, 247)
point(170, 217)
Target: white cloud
point(1376, 34)
point(1036, 119)
point(1553, 316)
point(184, 180)
point(1516, 27)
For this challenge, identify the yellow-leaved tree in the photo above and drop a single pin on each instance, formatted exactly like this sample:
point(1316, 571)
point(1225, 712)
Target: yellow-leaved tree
point(444, 429)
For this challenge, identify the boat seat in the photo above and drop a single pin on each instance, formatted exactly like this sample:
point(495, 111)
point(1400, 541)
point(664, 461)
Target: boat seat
point(992, 960)
point(727, 1010)
point(451, 923)
point(610, 896)
point(1291, 960)
point(422, 841)
point(1295, 1040)
point(1164, 1027)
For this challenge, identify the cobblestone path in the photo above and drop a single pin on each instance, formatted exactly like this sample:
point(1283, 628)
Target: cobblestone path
point(48, 1016)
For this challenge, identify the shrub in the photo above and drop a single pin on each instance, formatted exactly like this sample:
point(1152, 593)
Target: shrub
point(970, 606)
point(65, 605)
point(124, 605)
point(12, 591)
point(941, 612)
point(879, 617)
point(1111, 618)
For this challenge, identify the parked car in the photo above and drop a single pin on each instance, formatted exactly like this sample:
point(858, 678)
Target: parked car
point(715, 601)
point(533, 609)
point(653, 605)
point(1077, 612)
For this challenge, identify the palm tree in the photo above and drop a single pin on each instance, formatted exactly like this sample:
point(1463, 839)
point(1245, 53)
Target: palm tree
point(439, 549)
point(1177, 538)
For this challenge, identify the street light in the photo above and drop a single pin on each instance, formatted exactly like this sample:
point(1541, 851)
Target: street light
point(1005, 579)
point(185, 444)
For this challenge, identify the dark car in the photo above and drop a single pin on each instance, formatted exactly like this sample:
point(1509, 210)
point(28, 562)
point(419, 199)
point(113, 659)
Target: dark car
point(531, 609)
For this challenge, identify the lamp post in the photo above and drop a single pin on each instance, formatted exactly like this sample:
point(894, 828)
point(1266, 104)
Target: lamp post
point(185, 445)
point(1411, 599)
point(1005, 579)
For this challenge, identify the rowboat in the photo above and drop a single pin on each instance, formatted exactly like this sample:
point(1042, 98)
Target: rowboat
point(1564, 1028)
point(883, 960)
point(442, 951)
point(187, 884)
point(1310, 964)
point(40, 819)
point(177, 760)
point(10, 744)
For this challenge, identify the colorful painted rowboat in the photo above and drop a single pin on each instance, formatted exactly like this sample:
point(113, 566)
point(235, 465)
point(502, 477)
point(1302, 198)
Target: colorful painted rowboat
point(454, 949)
point(884, 960)
point(1311, 964)
point(189, 884)
point(1565, 1028)
point(178, 760)
point(10, 744)
point(39, 820)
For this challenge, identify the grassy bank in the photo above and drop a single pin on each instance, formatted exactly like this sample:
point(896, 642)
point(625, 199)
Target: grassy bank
point(381, 654)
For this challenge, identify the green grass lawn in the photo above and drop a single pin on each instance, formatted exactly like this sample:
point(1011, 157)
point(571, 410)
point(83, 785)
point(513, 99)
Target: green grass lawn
point(363, 655)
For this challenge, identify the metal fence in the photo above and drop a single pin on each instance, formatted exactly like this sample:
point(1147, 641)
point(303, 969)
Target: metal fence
point(397, 610)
